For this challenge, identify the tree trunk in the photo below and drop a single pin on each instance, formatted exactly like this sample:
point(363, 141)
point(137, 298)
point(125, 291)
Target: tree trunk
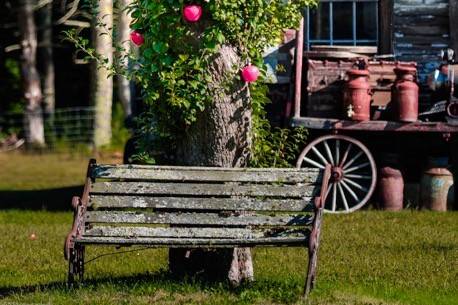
point(46, 59)
point(221, 137)
point(33, 116)
point(46, 65)
point(102, 90)
point(124, 91)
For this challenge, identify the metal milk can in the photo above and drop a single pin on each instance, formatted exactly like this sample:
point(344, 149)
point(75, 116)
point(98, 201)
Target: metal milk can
point(436, 188)
point(391, 183)
point(357, 95)
point(404, 94)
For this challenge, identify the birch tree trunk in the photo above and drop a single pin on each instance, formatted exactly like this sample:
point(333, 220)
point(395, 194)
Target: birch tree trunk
point(46, 58)
point(124, 91)
point(102, 83)
point(221, 137)
point(33, 116)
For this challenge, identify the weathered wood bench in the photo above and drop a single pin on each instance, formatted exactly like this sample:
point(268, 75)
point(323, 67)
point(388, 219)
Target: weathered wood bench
point(194, 207)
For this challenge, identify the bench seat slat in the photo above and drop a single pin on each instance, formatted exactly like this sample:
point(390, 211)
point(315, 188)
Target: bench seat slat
point(192, 232)
point(154, 173)
point(204, 219)
point(196, 242)
point(197, 189)
point(182, 203)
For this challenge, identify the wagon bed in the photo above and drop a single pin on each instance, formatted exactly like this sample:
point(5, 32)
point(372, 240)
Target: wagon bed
point(392, 126)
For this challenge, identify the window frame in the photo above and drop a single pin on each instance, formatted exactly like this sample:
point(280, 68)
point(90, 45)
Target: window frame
point(354, 41)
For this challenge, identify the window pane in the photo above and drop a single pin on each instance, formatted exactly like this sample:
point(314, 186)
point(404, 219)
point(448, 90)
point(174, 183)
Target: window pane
point(319, 22)
point(343, 25)
point(366, 20)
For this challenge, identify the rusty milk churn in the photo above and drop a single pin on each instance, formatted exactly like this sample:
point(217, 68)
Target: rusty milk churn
point(404, 94)
point(437, 190)
point(357, 95)
point(391, 183)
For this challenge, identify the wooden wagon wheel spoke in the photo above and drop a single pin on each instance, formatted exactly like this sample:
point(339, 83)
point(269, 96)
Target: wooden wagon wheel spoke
point(355, 168)
point(314, 163)
point(328, 152)
point(349, 190)
point(334, 197)
point(358, 186)
point(337, 150)
point(363, 177)
point(353, 171)
point(345, 156)
point(317, 152)
point(352, 160)
point(342, 194)
point(331, 185)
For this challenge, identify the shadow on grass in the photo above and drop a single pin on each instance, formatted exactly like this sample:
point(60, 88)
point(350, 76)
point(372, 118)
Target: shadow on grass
point(162, 279)
point(49, 199)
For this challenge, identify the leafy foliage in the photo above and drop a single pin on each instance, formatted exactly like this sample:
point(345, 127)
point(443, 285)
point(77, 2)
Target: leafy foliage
point(272, 147)
point(172, 66)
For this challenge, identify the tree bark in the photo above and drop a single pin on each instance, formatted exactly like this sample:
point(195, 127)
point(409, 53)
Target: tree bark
point(221, 137)
point(46, 58)
point(124, 21)
point(102, 90)
point(33, 116)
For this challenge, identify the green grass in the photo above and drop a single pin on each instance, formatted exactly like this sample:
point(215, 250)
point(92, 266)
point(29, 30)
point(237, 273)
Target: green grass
point(366, 258)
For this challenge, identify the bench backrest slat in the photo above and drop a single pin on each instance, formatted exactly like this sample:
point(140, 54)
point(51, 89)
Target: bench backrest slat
point(193, 219)
point(199, 189)
point(228, 233)
point(204, 174)
point(197, 242)
point(191, 203)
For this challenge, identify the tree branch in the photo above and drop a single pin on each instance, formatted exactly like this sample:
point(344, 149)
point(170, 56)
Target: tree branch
point(69, 14)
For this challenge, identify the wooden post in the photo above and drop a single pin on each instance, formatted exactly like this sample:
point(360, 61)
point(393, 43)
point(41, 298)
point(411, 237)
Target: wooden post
point(298, 62)
point(386, 26)
point(453, 22)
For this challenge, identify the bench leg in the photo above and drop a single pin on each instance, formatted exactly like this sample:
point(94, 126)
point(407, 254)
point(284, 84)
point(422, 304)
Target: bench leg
point(314, 241)
point(76, 265)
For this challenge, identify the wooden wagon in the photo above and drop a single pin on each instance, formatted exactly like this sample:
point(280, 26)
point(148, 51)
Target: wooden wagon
point(339, 144)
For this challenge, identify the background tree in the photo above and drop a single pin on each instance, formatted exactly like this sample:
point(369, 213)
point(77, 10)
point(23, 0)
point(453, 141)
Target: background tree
point(33, 115)
point(123, 40)
point(46, 57)
point(102, 79)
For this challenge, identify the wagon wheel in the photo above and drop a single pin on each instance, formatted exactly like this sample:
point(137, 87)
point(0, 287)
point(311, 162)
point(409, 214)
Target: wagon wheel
point(354, 172)
point(76, 265)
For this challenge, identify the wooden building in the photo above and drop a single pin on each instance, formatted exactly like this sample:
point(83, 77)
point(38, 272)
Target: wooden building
point(411, 30)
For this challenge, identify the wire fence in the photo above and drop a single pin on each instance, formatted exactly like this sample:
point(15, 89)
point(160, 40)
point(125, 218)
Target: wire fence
point(64, 128)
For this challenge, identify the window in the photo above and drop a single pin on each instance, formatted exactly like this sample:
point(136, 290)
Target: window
point(342, 22)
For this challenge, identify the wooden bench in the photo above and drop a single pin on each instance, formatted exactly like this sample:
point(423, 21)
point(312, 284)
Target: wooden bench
point(195, 207)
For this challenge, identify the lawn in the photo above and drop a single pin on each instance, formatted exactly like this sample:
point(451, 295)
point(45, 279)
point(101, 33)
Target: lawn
point(370, 257)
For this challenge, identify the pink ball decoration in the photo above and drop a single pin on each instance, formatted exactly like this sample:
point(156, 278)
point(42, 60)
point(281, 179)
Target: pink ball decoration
point(137, 38)
point(250, 73)
point(192, 12)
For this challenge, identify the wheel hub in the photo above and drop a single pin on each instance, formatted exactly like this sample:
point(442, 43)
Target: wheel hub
point(337, 174)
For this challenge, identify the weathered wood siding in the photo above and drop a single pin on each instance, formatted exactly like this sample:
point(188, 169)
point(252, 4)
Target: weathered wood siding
point(421, 30)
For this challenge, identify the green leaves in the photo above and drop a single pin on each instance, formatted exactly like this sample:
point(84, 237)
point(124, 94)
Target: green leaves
point(172, 66)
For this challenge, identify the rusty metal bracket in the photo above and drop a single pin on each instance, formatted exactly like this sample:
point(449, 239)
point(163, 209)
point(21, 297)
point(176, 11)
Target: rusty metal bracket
point(77, 228)
point(320, 201)
point(314, 238)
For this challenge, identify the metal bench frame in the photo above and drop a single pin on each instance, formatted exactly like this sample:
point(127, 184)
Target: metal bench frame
point(85, 214)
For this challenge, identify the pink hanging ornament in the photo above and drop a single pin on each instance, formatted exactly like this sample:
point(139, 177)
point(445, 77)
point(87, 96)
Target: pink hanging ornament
point(192, 12)
point(250, 73)
point(137, 38)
